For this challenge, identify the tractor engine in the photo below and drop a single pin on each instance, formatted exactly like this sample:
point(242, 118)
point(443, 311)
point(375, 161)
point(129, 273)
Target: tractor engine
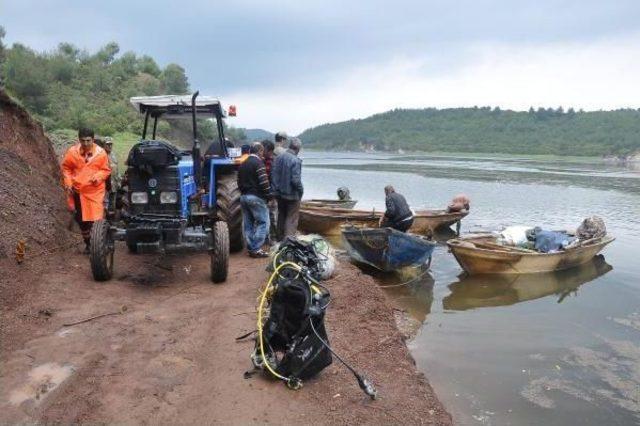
point(160, 178)
point(160, 183)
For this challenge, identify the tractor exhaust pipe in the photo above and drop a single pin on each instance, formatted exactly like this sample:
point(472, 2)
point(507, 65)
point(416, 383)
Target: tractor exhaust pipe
point(195, 152)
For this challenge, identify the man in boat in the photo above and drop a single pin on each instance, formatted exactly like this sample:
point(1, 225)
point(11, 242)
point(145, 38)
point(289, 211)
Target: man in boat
point(256, 192)
point(287, 185)
point(85, 169)
point(273, 206)
point(398, 214)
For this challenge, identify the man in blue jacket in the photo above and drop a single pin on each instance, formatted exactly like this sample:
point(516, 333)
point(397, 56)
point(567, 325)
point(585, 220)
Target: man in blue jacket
point(286, 176)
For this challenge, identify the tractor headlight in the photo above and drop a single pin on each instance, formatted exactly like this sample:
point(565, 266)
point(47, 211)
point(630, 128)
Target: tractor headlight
point(168, 197)
point(139, 198)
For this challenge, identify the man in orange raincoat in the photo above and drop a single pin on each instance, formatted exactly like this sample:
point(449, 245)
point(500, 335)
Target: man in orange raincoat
point(85, 169)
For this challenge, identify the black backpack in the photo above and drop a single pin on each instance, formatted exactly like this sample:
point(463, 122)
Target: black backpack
point(295, 327)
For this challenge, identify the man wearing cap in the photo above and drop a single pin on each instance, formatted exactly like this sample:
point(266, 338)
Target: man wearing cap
point(113, 163)
point(113, 184)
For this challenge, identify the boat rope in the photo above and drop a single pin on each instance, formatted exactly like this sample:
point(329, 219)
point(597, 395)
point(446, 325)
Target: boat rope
point(408, 282)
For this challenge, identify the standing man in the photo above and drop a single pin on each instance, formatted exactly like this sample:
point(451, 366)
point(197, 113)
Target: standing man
point(85, 169)
point(113, 184)
point(273, 206)
point(245, 150)
point(256, 192)
point(398, 214)
point(281, 142)
point(287, 183)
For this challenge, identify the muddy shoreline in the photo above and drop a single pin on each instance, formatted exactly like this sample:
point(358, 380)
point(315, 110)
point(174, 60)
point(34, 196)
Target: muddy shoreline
point(172, 356)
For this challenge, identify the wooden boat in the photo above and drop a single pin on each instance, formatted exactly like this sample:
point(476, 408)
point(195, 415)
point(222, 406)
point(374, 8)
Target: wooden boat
point(387, 249)
point(342, 204)
point(328, 221)
point(480, 291)
point(481, 254)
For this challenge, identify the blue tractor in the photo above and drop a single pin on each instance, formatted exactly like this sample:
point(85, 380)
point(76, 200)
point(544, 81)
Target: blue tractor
point(175, 200)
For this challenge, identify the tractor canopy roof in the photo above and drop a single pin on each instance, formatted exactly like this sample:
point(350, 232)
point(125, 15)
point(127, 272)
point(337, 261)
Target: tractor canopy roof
point(176, 105)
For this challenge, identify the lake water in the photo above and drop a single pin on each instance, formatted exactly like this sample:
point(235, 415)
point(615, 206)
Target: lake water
point(552, 349)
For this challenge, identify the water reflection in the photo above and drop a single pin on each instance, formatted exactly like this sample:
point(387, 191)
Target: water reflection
point(411, 289)
point(479, 291)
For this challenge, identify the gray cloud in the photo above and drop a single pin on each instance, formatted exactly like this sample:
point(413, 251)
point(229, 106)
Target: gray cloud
point(242, 46)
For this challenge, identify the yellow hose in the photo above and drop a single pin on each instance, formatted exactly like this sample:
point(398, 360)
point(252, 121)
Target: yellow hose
point(260, 310)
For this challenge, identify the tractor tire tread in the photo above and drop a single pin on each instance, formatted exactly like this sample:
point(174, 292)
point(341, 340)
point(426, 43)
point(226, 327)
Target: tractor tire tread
point(229, 209)
point(220, 252)
point(100, 251)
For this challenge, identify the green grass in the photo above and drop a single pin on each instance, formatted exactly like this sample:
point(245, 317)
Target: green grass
point(122, 143)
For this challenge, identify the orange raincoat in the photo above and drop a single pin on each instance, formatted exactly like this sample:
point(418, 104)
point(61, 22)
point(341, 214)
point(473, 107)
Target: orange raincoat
point(78, 171)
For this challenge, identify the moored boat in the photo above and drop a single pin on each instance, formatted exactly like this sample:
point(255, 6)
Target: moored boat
point(328, 221)
point(317, 202)
point(480, 291)
point(387, 249)
point(481, 254)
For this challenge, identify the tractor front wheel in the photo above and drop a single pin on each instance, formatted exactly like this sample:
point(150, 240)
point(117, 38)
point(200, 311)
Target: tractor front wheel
point(220, 252)
point(101, 250)
point(229, 210)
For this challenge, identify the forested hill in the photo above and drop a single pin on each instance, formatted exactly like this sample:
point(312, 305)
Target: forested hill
point(69, 87)
point(486, 130)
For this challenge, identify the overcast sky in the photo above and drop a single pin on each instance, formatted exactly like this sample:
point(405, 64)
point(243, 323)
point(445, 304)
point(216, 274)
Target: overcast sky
point(290, 65)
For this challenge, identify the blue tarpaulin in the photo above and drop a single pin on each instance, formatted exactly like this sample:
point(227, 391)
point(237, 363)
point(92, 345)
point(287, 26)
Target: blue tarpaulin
point(547, 241)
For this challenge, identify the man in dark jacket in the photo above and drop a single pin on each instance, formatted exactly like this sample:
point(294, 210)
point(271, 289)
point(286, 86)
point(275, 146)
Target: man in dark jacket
point(269, 158)
point(398, 214)
point(253, 183)
point(286, 176)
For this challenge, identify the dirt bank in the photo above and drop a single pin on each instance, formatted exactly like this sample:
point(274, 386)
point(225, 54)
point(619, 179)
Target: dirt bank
point(32, 207)
point(171, 358)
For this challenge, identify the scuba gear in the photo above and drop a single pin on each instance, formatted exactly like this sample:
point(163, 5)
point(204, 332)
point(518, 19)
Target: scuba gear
point(314, 253)
point(295, 326)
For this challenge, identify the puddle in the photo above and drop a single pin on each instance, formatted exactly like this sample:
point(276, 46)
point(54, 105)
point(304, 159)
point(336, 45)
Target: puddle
point(42, 380)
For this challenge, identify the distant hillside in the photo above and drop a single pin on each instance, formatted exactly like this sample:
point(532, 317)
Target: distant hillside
point(542, 131)
point(69, 87)
point(258, 134)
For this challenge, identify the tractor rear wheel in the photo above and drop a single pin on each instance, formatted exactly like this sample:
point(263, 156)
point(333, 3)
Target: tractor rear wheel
point(229, 210)
point(220, 252)
point(101, 250)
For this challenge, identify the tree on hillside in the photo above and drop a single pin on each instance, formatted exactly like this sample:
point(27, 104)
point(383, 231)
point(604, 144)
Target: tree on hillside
point(108, 53)
point(2, 54)
point(25, 77)
point(2, 34)
point(174, 80)
point(147, 65)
